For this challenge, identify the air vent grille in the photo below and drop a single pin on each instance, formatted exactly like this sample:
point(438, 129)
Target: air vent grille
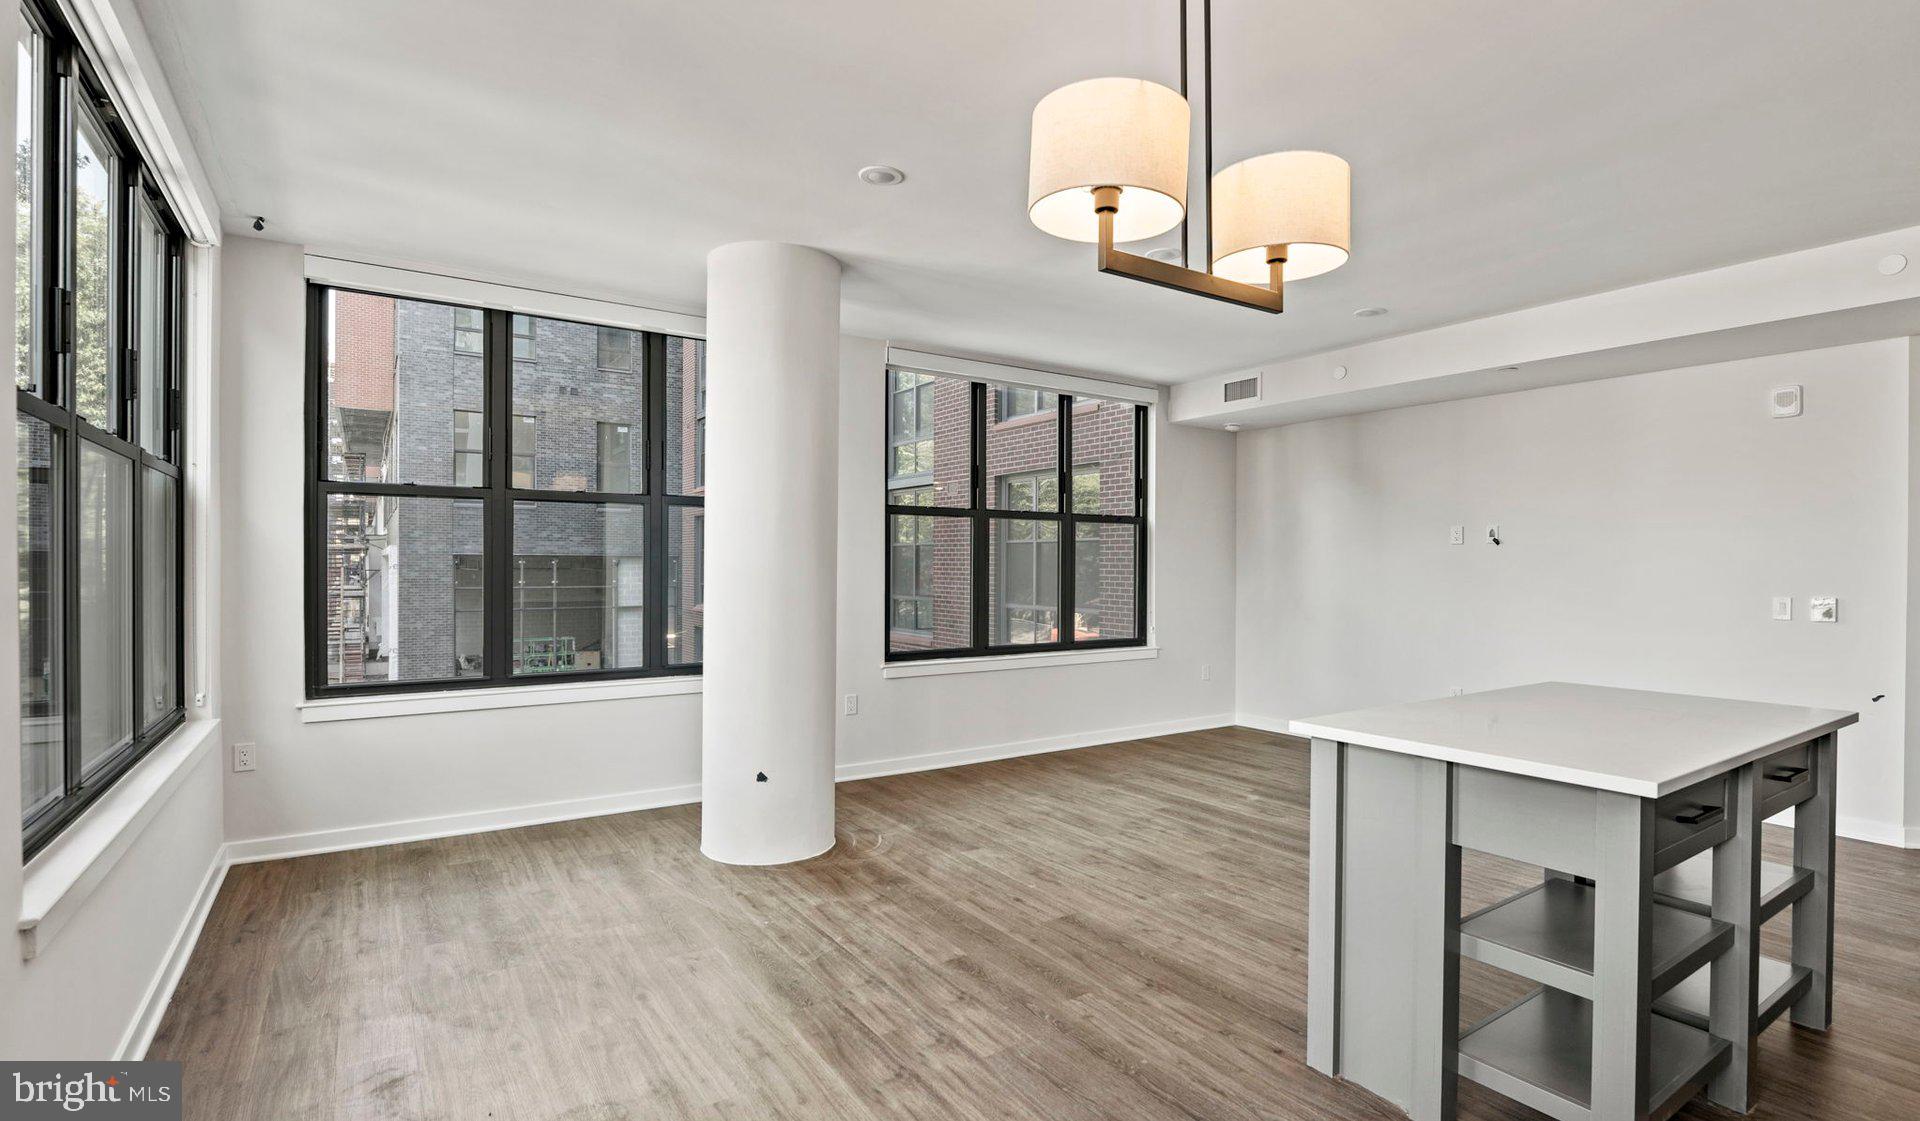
point(1246, 389)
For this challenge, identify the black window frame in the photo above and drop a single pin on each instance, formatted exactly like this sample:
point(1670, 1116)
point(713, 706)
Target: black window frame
point(981, 513)
point(497, 497)
point(67, 88)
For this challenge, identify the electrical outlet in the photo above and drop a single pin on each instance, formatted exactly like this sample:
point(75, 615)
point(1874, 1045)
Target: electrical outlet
point(1458, 692)
point(1458, 535)
point(1206, 671)
point(1823, 609)
point(1493, 535)
point(243, 757)
point(850, 705)
point(1783, 608)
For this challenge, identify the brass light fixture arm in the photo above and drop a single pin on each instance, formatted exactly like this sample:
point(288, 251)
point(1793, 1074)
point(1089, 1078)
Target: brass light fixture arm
point(1106, 203)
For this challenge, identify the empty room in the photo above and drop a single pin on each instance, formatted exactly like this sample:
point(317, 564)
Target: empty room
point(883, 560)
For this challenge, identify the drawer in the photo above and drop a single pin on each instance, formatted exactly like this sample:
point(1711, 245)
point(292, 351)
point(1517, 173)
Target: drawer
point(1786, 779)
point(1691, 820)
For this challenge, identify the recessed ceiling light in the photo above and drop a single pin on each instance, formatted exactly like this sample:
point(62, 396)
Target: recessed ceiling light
point(1170, 256)
point(1369, 312)
point(880, 175)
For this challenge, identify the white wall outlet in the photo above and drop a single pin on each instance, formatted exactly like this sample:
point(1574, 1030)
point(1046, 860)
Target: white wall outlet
point(1823, 609)
point(850, 705)
point(1783, 607)
point(243, 757)
point(1206, 671)
point(1786, 400)
point(1457, 691)
point(1457, 536)
point(1493, 535)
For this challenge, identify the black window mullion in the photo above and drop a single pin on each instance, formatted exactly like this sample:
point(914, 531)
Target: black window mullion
point(496, 548)
point(316, 502)
point(1140, 421)
point(1067, 532)
point(654, 544)
point(982, 537)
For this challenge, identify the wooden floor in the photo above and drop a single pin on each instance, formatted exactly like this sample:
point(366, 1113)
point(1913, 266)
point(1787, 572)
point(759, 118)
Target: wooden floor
point(1116, 932)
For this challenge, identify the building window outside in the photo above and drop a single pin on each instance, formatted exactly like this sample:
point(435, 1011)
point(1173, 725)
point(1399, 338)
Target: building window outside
point(523, 338)
point(615, 349)
point(98, 464)
point(615, 457)
point(1014, 402)
point(1005, 537)
point(468, 336)
point(469, 448)
point(446, 573)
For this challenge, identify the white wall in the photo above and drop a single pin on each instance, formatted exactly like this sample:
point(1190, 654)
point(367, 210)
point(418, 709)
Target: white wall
point(95, 987)
point(1646, 523)
point(1006, 711)
point(349, 781)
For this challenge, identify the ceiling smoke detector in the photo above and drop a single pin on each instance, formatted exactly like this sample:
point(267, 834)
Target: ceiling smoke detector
point(1233, 428)
point(880, 175)
point(1369, 312)
point(1170, 256)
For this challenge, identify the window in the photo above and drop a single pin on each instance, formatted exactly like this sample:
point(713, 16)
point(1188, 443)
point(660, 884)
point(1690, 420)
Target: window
point(1005, 537)
point(615, 349)
point(467, 331)
point(615, 457)
point(469, 448)
point(551, 560)
point(525, 442)
point(1014, 402)
point(97, 467)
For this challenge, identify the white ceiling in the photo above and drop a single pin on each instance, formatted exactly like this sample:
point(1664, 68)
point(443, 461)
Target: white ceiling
point(1504, 154)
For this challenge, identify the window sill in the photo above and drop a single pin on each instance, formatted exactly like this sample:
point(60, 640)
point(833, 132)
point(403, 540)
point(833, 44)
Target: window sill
point(61, 877)
point(471, 700)
point(934, 667)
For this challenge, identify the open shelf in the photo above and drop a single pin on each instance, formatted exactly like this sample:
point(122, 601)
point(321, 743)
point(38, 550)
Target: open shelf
point(1539, 1052)
point(1545, 934)
point(1689, 886)
point(1780, 985)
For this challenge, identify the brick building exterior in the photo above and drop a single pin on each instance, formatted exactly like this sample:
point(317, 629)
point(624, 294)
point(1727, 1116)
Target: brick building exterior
point(405, 575)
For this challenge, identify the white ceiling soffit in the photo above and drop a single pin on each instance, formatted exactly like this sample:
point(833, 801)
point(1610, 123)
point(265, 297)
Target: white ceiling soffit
point(1815, 298)
point(1504, 154)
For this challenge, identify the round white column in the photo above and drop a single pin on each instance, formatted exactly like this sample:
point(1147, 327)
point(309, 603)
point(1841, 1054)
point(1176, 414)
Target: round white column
point(772, 528)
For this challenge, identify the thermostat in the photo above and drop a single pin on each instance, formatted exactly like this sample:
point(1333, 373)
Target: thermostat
point(1787, 400)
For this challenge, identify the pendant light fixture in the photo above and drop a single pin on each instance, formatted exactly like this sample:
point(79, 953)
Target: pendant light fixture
point(1108, 164)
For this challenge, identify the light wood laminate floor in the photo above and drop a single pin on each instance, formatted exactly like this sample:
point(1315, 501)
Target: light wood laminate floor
point(1117, 932)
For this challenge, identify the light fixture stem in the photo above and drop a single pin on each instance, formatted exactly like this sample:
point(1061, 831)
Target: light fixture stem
point(1206, 169)
point(1186, 220)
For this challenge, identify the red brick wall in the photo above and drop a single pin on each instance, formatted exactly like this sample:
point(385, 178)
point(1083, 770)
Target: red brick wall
point(363, 351)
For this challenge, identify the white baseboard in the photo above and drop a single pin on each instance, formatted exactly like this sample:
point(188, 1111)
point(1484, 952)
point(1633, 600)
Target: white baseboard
point(514, 817)
point(159, 994)
point(1275, 724)
point(960, 757)
point(1877, 832)
point(454, 825)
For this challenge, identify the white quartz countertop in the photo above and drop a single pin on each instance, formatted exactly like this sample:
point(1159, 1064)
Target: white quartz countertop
point(1625, 740)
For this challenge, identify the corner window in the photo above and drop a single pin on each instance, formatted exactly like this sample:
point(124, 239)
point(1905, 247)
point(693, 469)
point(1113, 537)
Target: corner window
point(97, 468)
point(1007, 538)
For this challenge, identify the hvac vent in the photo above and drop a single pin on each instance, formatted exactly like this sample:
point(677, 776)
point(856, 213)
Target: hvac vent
point(1246, 389)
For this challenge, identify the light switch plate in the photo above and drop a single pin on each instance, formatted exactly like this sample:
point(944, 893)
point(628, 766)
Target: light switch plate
point(1783, 607)
point(1823, 609)
point(1459, 535)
